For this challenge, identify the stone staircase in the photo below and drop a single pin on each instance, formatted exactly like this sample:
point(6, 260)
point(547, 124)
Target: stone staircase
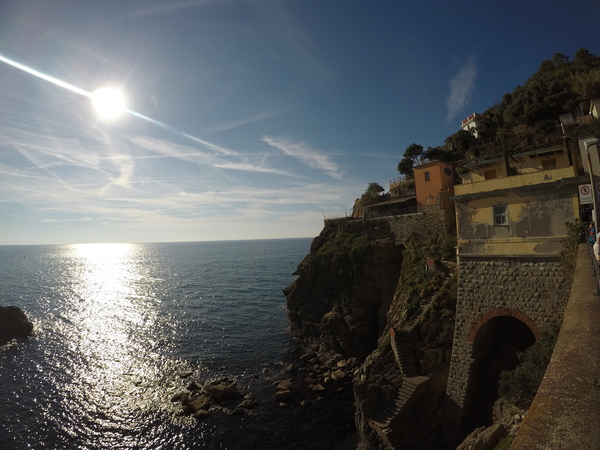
point(404, 354)
point(411, 380)
point(382, 419)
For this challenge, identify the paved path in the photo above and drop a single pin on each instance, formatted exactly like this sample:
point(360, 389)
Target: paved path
point(565, 413)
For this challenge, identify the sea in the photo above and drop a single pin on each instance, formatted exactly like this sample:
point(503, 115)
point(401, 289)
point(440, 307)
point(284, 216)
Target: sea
point(118, 328)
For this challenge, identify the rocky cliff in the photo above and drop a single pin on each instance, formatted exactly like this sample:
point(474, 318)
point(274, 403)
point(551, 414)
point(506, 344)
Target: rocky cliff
point(363, 292)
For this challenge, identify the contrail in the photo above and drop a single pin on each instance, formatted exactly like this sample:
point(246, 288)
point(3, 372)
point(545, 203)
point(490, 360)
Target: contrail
point(45, 77)
point(80, 91)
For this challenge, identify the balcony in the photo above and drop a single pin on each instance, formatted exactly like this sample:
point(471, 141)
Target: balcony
point(515, 181)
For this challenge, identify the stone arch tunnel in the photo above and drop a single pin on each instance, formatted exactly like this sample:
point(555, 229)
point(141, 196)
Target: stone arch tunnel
point(503, 305)
point(495, 346)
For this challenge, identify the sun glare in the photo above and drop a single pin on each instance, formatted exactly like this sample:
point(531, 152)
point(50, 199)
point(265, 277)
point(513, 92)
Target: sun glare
point(109, 103)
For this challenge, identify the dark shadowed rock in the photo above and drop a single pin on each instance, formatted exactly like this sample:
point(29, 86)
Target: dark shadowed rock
point(282, 396)
point(248, 403)
point(193, 386)
point(13, 324)
point(284, 385)
point(199, 403)
point(201, 414)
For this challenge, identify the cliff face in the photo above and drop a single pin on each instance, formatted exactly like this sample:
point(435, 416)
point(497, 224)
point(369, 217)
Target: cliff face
point(357, 283)
point(339, 302)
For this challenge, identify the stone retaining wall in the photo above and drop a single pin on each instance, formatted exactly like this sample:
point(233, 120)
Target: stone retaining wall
point(433, 222)
point(532, 290)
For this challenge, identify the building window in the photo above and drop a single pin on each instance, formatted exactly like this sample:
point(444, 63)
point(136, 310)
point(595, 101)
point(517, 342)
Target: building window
point(427, 176)
point(500, 215)
point(549, 164)
point(489, 174)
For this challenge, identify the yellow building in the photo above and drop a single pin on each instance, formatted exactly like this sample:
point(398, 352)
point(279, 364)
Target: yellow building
point(516, 204)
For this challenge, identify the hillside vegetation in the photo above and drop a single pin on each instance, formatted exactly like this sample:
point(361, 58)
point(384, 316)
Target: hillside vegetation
point(527, 116)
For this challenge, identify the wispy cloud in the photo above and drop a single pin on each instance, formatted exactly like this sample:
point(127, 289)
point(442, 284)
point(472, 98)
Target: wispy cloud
point(166, 6)
point(305, 154)
point(461, 88)
point(252, 168)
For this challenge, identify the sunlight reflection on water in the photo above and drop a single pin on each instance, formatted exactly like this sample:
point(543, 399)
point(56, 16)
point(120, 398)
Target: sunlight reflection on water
point(114, 378)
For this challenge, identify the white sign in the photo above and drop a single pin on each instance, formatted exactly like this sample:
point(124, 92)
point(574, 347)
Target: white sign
point(585, 194)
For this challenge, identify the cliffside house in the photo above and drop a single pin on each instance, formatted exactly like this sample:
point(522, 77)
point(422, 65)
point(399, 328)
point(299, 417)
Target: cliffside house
point(434, 183)
point(431, 185)
point(517, 203)
point(475, 123)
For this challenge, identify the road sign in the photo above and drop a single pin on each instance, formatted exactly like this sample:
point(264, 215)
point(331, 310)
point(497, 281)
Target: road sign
point(585, 194)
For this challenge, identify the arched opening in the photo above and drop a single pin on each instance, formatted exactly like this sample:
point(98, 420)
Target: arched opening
point(495, 349)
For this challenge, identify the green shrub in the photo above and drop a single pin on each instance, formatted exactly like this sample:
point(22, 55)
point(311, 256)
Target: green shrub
point(521, 384)
point(417, 283)
point(448, 248)
point(385, 345)
point(504, 443)
point(575, 236)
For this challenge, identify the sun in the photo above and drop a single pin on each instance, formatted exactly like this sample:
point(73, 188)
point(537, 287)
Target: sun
point(109, 103)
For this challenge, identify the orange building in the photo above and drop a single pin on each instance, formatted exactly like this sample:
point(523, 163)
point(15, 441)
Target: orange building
point(431, 179)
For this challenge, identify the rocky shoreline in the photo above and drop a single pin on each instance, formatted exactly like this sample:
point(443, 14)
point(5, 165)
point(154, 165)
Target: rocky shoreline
point(307, 383)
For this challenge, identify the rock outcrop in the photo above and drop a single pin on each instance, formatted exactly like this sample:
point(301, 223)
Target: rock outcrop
point(339, 302)
point(359, 282)
point(13, 324)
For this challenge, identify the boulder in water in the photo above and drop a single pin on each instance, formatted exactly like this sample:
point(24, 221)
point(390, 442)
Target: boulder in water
point(13, 324)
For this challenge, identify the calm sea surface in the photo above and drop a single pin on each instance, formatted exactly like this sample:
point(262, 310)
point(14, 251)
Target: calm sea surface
point(115, 326)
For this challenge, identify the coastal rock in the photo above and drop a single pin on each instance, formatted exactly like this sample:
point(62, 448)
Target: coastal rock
point(238, 412)
point(483, 438)
point(199, 403)
point(179, 396)
point(282, 396)
point(221, 388)
point(193, 386)
point(201, 414)
point(290, 369)
point(248, 403)
point(284, 385)
point(13, 324)
point(309, 356)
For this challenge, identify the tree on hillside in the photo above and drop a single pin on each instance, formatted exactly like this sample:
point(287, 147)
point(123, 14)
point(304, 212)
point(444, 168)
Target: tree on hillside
point(460, 142)
point(441, 154)
point(413, 155)
point(372, 194)
point(556, 88)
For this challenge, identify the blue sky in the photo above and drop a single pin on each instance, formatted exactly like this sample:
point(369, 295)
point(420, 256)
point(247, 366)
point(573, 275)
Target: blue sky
point(264, 115)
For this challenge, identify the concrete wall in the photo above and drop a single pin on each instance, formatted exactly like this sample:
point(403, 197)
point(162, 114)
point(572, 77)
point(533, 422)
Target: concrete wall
point(566, 410)
point(536, 219)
